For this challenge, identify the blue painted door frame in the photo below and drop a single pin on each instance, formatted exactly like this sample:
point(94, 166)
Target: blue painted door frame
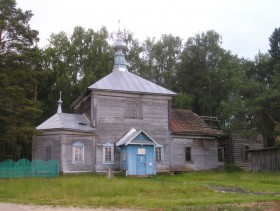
point(140, 160)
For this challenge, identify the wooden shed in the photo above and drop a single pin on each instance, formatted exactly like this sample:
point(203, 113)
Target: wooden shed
point(195, 145)
point(240, 143)
point(265, 159)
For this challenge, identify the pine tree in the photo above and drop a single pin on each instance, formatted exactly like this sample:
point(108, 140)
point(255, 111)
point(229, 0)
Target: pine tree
point(18, 56)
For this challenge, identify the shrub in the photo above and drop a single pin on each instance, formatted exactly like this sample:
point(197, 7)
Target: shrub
point(232, 168)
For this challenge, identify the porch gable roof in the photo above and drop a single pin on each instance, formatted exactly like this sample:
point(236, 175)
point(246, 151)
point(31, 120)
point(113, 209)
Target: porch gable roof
point(130, 138)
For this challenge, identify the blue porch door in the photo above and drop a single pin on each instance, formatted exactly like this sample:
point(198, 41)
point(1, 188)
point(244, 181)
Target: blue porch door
point(141, 165)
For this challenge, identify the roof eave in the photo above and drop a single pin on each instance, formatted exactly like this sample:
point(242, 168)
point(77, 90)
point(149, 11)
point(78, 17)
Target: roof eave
point(67, 129)
point(133, 92)
point(87, 91)
point(197, 134)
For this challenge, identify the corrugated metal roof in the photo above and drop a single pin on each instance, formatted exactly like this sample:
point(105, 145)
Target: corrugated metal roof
point(130, 135)
point(66, 121)
point(125, 81)
point(186, 122)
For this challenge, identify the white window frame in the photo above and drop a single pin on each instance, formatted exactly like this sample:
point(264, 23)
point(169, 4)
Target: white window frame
point(76, 145)
point(110, 147)
point(161, 153)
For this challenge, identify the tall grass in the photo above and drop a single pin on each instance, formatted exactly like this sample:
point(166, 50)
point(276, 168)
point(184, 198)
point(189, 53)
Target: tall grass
point(161, 191)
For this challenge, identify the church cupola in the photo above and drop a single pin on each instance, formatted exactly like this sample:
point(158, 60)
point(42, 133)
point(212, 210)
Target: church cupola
point(59, 102)
point(119, 62)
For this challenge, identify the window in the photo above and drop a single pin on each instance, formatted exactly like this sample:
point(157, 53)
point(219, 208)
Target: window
point(124, 154)
point(221, 154)
point(78, 152)
point(141, 151)
point(108, 153)
point(188, 153)
point(245, 153)
point(159, 154)
point(133, 109)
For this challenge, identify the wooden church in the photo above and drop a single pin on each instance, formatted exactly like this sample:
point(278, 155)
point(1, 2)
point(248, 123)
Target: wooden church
point(123, 123)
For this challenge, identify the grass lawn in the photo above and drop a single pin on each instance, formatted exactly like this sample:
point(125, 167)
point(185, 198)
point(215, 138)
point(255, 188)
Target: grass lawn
point(162, 191)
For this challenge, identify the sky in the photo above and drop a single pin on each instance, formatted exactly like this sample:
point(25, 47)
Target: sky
point(245, 25)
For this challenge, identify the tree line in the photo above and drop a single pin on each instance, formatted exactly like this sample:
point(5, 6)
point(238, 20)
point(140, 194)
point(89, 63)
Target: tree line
point(211, 81)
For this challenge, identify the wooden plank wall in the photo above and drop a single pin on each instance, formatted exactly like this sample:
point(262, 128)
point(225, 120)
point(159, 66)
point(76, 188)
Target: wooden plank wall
point(61, 149)
point(226, 143)
point(237, 150)
point(204, 154)
point(67, 164)
point(266, 160)
point(111, 123)
point(84, 107)
point(43, 141)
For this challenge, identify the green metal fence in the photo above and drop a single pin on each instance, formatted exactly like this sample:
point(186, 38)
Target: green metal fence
point(26, 168)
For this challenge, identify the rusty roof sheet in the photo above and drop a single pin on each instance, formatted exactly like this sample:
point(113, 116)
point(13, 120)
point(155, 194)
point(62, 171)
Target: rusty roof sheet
point(187, 122)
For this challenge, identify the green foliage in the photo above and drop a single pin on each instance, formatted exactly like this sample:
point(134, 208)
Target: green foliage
point(166, 192)
point(243, 94)
point(204, 73)
point(71, 63)
point(19, 110)
point(274, 42)
point(182, 100)
point(232, 168)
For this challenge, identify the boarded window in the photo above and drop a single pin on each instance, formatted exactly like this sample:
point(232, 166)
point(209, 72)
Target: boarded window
point(245, 153)
point(188, 153)
point(133, 109)
point(159, 154)
point(48, 153)
point(221, 154)
point(108, 153)
point(78, 152)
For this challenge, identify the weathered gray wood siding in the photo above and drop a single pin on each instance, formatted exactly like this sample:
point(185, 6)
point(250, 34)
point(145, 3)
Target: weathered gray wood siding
point(67, 154)
point(238, 145)
point(204, 154)
point(61, 143)
point(226, 144)
point(267, 159)
point(111, 124)
point(84, 106)
point(40, 144)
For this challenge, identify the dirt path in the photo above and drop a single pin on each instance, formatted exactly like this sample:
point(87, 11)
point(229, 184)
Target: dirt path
point(225, 189)
point(263, 206)
point(20, 207)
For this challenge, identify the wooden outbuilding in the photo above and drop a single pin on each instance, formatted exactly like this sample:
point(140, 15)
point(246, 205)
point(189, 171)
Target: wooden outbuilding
point(238, 145)
point(265, 159)
point(195, 145)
